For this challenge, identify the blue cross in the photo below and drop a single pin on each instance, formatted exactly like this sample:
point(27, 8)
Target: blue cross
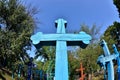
point(61, 39)
point(106, 61)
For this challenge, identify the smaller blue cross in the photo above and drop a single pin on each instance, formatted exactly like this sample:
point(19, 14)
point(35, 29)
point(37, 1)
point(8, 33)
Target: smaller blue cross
point(106, 62)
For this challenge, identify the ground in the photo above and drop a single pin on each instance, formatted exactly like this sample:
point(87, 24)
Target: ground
point(5, 74)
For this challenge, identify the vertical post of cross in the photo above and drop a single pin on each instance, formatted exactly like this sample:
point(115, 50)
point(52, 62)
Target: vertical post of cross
point(61, 63)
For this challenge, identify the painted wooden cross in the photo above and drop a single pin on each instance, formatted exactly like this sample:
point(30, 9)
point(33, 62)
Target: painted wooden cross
point(81, 72)
point(106, 61)
point(61, 40)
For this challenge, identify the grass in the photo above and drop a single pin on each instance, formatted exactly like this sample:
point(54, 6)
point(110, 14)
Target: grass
point(8, 77)
point(5, 74)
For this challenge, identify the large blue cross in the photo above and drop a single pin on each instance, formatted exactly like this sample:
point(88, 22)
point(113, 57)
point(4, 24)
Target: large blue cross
point(61, 40)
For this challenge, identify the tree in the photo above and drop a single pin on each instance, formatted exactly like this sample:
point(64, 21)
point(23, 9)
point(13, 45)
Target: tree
point(112, 34)
point(94, 31)
point(46, 53)
point(117, 24)
point(17, 27)
point(89, 55)
point(117, 4)
point(72, 65)
point(46, 57)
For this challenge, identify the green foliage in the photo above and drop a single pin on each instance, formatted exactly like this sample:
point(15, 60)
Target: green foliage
point(112, 30)
point(110, 34)
point(94, 31)
point(47, 57)
point(115, 28)
point(117, 3)
point(89, 57)
point(21, 78)
point(17, 27)
point(46, 53)
point(73, 65)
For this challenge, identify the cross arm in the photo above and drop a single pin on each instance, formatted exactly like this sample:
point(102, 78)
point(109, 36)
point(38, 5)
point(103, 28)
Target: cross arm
point(82, 36)
point(108, 58)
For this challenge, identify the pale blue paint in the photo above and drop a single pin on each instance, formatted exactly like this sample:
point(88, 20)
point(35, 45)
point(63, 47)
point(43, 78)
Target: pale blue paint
point(61, 63)
point(110, 68)
point(107, 59)
point(64, 37)
point(118, 60)
point(61, 38)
